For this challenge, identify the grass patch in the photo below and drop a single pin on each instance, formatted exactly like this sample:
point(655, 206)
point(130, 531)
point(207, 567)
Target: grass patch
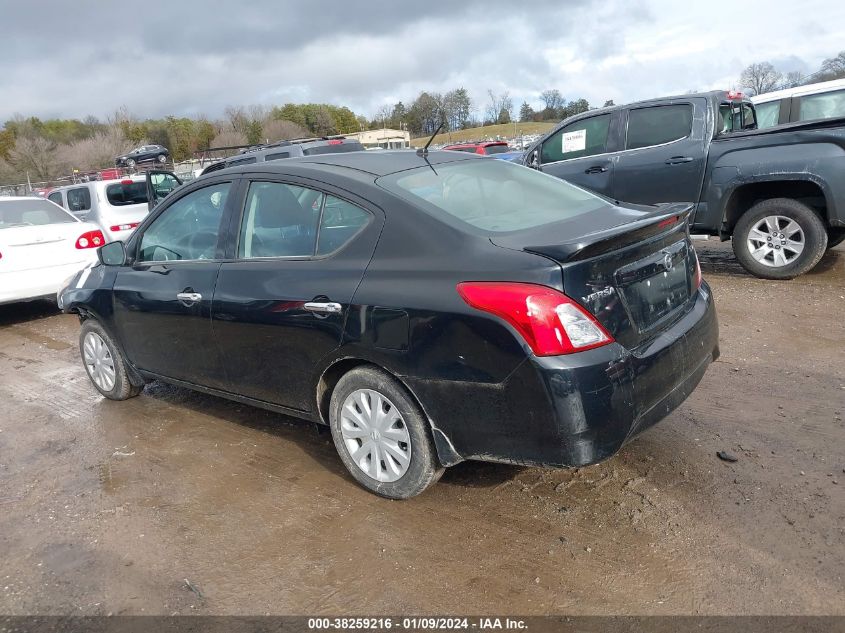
point(487, 132)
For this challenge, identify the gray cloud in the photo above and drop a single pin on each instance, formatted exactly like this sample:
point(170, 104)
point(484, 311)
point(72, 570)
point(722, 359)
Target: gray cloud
point(71, 59)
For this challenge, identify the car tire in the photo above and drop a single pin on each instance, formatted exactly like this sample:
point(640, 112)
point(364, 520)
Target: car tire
point(104, 363)
point(162, 158)
point(779, 238)
point(401, 463)
point(130, 163)
point(835, 237)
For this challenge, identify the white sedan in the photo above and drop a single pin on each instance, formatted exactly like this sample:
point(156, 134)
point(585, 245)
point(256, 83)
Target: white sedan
point(41, 245)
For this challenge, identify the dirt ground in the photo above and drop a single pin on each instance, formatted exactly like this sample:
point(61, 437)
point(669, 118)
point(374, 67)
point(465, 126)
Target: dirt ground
point(176, 502)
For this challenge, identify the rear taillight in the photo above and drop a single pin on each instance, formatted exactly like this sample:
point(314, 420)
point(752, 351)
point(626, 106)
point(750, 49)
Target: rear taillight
point(697, 280)
point(91, 239)
point(123, 227)
point(549, 321)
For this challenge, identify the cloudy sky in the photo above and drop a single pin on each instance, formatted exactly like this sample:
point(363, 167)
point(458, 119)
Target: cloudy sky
point(70, 59)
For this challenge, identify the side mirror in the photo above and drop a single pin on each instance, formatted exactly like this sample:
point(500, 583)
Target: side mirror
point(534, 159)
point(112, 254)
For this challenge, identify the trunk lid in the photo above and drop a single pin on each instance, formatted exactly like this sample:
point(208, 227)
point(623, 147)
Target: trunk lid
point(42, 246)
point(635, 271)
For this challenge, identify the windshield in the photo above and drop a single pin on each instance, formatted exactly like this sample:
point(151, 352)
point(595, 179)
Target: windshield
point(34, 212)
point(122, 194)
point(493, 196)
point(496, 149)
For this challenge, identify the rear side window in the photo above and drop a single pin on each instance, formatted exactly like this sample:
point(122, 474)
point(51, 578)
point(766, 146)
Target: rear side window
point(826, 105)
point(277, 156)
point(78, 199)
point(340, 222)
point(280, 220)
point(121, 194)
point(587, 137)
point(334, 148)
point(768, 114)
point(241, 161)
point(56, 197)
point(35, 212)
point(496, 149)
point(658, 125)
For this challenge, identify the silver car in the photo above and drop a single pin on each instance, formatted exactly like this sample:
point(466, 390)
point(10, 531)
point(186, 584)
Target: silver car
point(115, 206)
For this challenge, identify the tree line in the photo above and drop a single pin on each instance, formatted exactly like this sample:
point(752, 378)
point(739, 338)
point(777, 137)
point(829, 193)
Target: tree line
point(762, 77)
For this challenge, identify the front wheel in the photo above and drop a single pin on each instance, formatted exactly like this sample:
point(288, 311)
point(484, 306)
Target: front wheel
point(104, 363)
point(779, 238)
point(162, 158)
point(381, 435)
point(130, 163)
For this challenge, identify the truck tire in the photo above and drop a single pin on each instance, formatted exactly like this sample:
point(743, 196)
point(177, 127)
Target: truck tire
point(835, 237)
point(779, 238)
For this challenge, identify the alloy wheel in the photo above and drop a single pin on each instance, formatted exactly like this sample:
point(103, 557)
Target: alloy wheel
point(375, 435)
point(98, 361)
point(776, 240)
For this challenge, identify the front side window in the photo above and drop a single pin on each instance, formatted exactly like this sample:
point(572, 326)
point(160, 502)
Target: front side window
point(341, 221)
point(768, 114)
point(188, 229)
point(491, 196)
point(826, 105)
point(658, 125)
point(586, 137)
point(280, 220)
point(78, 199)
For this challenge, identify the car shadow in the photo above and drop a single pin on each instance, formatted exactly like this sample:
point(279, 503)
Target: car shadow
point(718, 258)
point(14, 313)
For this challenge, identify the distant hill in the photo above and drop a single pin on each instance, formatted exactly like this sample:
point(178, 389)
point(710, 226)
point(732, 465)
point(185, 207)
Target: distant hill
point(505, 130)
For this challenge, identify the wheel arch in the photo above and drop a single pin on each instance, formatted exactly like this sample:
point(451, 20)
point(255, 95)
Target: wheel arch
point(803, 188)
point(331, 375)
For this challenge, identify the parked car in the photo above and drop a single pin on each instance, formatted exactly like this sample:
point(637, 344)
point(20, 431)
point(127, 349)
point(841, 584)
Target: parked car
point(115, 206)
point(41, 245)
point(428, 309)
point(485, 148)
point(143, 154)
point(812, 102)
point(778, 193)
point(289, 149)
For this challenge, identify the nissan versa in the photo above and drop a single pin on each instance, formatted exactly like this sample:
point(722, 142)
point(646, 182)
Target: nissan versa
point(428, 308)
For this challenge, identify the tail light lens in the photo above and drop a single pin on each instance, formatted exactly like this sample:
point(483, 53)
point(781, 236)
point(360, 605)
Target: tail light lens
point(550, 322)
point(123, 227)
point(91, 239)
point(697, 281)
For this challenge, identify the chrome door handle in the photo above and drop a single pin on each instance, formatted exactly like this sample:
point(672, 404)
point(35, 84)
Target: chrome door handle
point(189, 297)
point(328, 307)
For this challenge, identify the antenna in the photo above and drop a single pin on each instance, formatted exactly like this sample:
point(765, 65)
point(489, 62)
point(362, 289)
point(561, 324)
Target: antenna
point(424, 151)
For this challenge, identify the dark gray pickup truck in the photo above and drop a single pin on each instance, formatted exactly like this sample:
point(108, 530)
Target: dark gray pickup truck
point(778, 192)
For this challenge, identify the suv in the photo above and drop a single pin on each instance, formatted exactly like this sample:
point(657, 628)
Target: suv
point(143, 154)
point(824, 100)
point(288, 149)
point(115, 206)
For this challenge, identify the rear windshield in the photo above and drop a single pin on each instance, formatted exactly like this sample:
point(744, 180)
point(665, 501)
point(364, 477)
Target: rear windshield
point(493, 196)
point(121, 194)
point(496, 149)
point(334, 148)
point(470, 148)
point(35, 212)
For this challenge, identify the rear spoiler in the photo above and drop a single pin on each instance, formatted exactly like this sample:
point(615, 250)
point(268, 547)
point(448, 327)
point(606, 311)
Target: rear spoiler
point(667, 218)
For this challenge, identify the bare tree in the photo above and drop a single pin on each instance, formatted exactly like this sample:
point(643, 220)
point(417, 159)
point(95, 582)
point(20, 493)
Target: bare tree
point(760, 77)
point(834, 67)
point(552, 99)
point(36, 156)
point(794, 78)
point(95, 152)
point(280, 130)
point(500, 108)
point(228, 138)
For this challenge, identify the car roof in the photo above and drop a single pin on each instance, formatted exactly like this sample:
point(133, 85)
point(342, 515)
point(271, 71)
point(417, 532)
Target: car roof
point(808, 89)
point(373, 163)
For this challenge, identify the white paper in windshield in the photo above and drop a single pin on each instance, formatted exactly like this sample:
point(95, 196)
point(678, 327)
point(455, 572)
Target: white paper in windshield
point(574, 141)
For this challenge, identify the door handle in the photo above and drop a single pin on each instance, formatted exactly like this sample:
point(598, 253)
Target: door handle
point(189, 297)
point(678, 160)
point(328, 307)
point(595, 169)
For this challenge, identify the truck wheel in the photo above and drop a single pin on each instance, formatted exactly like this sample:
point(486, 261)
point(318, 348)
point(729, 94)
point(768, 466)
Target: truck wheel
point(779, 238)
point(381, 435)
point(835, 237)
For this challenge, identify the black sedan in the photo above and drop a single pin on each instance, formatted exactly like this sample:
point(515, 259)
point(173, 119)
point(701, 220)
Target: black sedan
point(143, 154)
point(428, 308)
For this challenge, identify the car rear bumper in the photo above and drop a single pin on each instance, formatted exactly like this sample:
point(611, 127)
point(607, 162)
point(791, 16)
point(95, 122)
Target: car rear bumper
point(578, 409)
point(40, 282)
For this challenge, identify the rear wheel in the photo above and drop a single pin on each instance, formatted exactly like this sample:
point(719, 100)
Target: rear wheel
point(779, 238)
point(104, 363)
point(130, 163)
point(381, 435)
point(162, 158)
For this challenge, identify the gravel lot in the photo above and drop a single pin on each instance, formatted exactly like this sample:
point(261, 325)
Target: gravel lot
point(176, 502)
